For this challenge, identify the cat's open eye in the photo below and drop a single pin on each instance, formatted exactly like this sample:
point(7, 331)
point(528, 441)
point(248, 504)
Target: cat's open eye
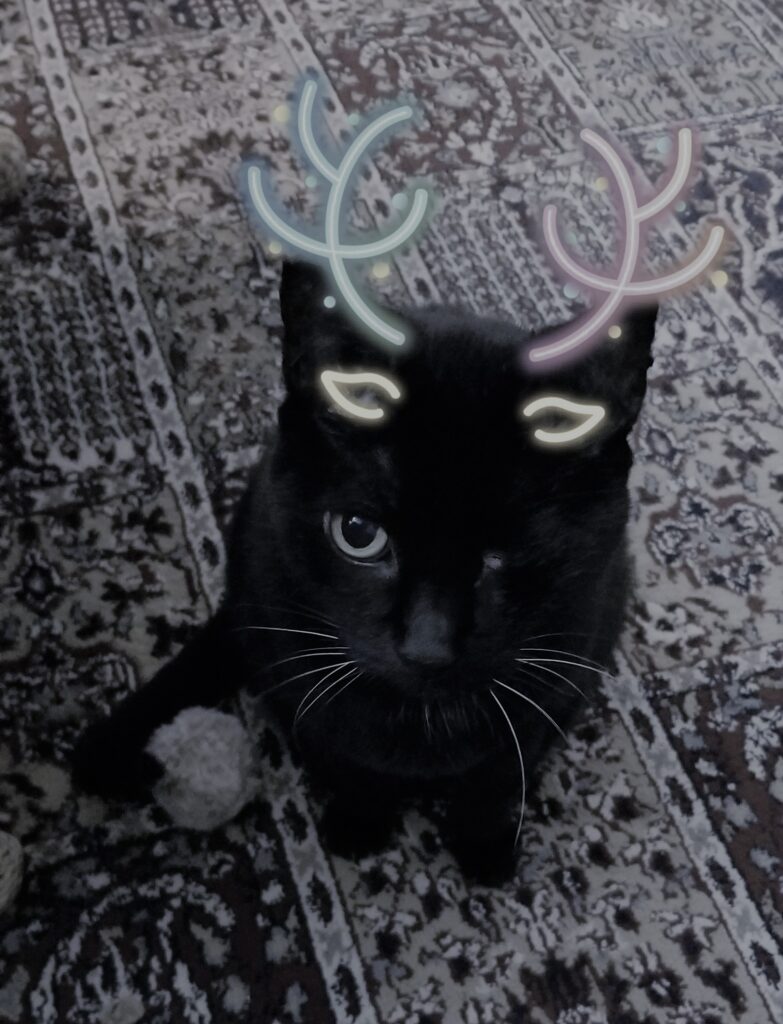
point(356, 537)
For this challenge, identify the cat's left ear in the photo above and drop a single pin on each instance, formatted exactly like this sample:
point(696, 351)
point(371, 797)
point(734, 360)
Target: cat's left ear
point(614, 373)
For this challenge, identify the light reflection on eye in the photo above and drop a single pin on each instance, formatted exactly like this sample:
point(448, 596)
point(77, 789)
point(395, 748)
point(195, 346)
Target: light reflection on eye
point(590, 414)
point(332, 379)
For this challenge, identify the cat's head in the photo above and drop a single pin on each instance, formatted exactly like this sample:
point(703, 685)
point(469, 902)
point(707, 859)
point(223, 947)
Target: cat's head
point(442, 536)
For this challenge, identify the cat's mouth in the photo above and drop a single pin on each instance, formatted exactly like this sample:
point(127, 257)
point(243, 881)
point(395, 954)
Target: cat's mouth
point(442, 688)
point(445, 686)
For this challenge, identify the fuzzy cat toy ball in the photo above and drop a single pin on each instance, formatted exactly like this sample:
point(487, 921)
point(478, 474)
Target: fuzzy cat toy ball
point(207, 758)
point(13, 166)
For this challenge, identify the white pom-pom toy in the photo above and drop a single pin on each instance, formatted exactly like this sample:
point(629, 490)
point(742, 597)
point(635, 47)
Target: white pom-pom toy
point(208, 760)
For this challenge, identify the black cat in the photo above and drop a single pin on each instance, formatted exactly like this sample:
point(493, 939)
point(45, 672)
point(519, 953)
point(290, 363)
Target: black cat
point(385, 579)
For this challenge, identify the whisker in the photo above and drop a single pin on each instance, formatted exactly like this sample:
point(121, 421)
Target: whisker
point(427, 722)
point(445, 719)
point(310, 672)
point(312, 652)
point(541, 636)
point(295, 608)
point(521, 762)
point(343, 687)
point(282, 629)
point(331, 669)
point(315, 699)
point(573, 664)
point(299, 608)
point(538, 707)
point(546, 684)
point(559, 676)
point(568, 654)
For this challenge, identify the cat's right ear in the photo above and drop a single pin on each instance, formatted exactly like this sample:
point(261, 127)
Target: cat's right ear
point(302, 291)
point(300, 286)
point(316, 334)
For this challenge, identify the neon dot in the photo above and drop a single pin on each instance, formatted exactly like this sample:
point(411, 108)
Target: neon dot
point(311, 181)
point(614, 331)
point(572, 238)
point(275, 248)
point(399, 201)
point(663, 145)
point(601, 184)
point(679, 207)
point(330, 301)
point(281, 113)
point(353, 119)
point(381, 269)
point(571, 291)
point(719, 278)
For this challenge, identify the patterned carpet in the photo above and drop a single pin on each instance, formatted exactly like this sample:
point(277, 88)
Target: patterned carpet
point(139, 362)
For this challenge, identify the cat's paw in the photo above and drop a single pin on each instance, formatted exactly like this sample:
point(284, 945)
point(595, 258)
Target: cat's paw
point(491, 862)
point(350, 835)
point(110, 764)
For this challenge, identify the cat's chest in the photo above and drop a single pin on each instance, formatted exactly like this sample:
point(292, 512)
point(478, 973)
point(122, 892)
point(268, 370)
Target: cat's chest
point(428, 745)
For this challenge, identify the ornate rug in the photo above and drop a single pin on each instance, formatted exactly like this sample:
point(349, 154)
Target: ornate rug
point(139, 376)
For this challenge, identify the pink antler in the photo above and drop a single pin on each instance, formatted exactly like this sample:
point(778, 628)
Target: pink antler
point(623, 285)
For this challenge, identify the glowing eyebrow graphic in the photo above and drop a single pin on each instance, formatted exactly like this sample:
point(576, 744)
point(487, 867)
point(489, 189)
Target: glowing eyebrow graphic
point(332, 378)
point(593, 415)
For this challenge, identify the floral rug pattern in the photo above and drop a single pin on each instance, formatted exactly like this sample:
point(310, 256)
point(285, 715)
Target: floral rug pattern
point(139, 376)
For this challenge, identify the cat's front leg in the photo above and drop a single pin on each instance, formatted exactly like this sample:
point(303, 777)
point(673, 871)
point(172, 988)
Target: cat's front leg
point(487, 804)
point(363, 807)
point(483, 808)
point(481, 834)
point(110, 759)
point(354, 829)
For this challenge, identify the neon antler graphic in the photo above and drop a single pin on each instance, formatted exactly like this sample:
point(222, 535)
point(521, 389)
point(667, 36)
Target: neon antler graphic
point(622, 286)
point(331, 248)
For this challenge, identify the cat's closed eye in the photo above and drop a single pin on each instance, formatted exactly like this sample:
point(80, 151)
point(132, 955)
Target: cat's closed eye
point(356, 537)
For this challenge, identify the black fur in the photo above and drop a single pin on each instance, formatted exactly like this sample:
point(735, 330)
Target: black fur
point(453, 476)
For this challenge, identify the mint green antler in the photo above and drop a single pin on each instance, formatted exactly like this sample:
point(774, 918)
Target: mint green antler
point(332, 248)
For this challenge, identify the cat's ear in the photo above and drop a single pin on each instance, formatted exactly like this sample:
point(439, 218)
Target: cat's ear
point(617, 371)
point(614, 373)
point(302, 291)
point(316, 334)
point(321, 342)
point(305, 318)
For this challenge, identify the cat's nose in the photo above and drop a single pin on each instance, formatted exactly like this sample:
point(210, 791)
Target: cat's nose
point(428, 640)
point(426, 654)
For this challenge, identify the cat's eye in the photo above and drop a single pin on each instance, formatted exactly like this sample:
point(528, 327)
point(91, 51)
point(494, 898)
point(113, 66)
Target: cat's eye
point(356, 536)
